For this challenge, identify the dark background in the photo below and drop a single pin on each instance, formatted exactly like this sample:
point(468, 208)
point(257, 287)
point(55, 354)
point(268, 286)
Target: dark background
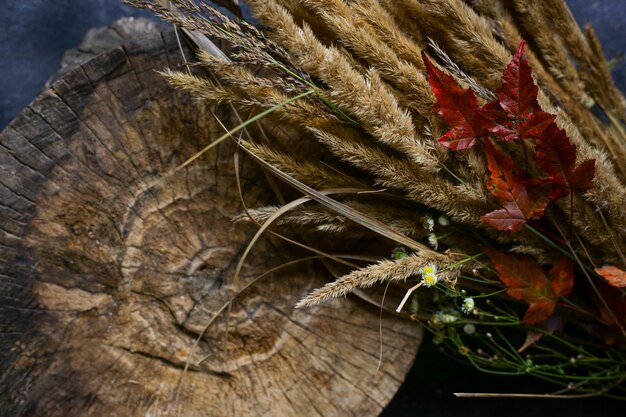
point(34, 34)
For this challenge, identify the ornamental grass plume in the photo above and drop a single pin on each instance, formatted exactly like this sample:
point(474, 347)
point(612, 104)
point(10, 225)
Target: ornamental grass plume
point(482, 113)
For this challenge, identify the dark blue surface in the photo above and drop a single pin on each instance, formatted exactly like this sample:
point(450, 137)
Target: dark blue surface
point(608, 18)
point(34, 34)
point(33, 37)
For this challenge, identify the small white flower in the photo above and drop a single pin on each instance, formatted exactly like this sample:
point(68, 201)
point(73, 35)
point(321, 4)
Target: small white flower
point(430, 269)
point(468, 305)
point(469, 329)
point(445, 317)
point(429, 280)
point(449, 318)
point(432, 241)
point(443, 220)
point(429, 275)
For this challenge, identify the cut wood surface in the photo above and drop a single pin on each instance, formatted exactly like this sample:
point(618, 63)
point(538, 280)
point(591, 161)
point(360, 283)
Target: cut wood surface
point(116, 270)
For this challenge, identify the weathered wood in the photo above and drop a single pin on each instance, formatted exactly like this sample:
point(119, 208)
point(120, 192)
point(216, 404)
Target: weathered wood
point(102, 39)
point(114, 268)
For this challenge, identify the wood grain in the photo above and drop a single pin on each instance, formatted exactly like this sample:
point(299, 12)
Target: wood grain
point(114, 266)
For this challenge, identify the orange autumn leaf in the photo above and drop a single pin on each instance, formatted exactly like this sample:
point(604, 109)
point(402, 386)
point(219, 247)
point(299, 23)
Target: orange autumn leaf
point(562, 277)
point(520, 202)
point(613, 275)
point(527, 281)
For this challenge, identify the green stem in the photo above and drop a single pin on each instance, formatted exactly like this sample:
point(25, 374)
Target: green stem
point(243, 125)
point(549, 242)
point(317, 92)
point(465, 260)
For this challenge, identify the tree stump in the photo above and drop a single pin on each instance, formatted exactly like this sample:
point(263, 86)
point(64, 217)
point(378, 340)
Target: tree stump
point(117, 287)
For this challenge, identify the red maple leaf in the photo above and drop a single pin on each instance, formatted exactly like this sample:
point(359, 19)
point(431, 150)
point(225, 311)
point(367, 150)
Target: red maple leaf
point(526, 280)
point(458, 107)
point(519, 202)
point(556, 155)
point(518, 92)
point(517, 114)
point(613, 275)
point(508, 128)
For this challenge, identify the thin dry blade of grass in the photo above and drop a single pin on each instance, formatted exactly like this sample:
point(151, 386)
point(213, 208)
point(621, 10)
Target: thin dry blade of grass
point(344, 210)
point(242, 126)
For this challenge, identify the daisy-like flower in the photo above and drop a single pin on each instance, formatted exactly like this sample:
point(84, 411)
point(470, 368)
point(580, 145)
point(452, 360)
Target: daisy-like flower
point(430, 269)
point(429, 275)
point(429, 280)
point(468, 305)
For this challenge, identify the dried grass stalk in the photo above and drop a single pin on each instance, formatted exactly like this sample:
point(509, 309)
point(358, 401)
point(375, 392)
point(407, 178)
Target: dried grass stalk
point(321, 219)
point(311, 173)
point(351, 91)
point(383, 271)
point(587, 52)
point(462, 203)
point(550, 49)
point(359, 37)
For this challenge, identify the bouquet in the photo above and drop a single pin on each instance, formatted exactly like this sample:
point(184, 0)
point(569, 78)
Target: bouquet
point(468, 155)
